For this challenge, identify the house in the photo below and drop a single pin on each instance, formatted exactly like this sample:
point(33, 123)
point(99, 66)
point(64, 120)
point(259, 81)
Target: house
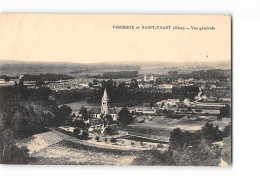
point(186, 102)
point(150, 111)
point(148, 78)
point(170, 102)
point(165, 86)
point(145, 85)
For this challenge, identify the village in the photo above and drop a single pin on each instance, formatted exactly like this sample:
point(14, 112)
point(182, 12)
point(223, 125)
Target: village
point(151, 124)
point(125, 113)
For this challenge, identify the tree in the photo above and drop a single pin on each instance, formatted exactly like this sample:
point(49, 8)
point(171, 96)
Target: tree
point(162, 104)
point(225, 111)
point(79, 123)
point(7, 78)
point(39, 83)
point(151, 104)
point(26, 122)
point(158, 81)
point(113, 140)
point(63, 114)
point(203, 154)
point(10, 153)
point(85, 134)
point(125, 117)
point(227, 131)
point(211, 133)
point(189, 109)
point(179, 139)
point(84, 113)
point(76, 131)
point(97, 138)
point(95, 82)
point(134, 84)
point(49, 119)
point(109, 119)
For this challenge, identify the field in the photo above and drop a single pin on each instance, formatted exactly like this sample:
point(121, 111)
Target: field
point(55, 148)
point(75, 106)
point(160, 127)
point(63, 153)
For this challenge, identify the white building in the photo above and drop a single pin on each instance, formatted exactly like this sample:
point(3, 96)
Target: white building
point(148, 78)
point(170, 102)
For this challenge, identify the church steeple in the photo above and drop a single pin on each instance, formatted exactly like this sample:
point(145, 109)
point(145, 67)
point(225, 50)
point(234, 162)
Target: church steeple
point(104, 103)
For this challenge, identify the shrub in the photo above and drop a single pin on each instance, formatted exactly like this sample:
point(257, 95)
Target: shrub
point(85, 134)
point(225, 111)
point(97, 138)
point(113, 140)
point(76, 131)
point(159, 146)
point(79, 123)
point(125, 117)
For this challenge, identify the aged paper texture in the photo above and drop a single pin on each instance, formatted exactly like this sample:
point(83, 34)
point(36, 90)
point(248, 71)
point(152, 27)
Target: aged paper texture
point(79, 89)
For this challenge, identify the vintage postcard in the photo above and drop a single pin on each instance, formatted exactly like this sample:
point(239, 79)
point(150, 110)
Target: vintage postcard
point(127, 90)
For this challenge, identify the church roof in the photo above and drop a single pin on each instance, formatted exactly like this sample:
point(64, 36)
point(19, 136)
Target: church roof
point(97, 110)
point(105, 97)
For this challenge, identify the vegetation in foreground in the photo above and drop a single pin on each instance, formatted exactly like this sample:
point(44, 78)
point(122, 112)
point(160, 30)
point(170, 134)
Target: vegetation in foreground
point(190, 149)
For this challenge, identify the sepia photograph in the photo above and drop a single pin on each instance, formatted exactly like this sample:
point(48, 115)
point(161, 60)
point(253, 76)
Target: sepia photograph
point(117, 90)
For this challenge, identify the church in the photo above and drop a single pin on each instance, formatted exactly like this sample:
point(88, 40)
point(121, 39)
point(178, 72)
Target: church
point(105, 109)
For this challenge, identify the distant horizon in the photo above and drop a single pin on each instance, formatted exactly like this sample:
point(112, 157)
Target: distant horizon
point(119, 61)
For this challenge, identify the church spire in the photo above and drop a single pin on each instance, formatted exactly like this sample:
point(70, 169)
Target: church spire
point(104, 103)
point(105, 97)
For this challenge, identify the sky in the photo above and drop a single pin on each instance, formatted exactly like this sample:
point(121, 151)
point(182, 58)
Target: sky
point(91, 38)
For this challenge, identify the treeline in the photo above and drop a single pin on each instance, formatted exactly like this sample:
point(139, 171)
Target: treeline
point(69, 96)
point(216, 74)
point(20, 93)
point(127, 96)
point(207, 74)
point(8, 78)
point(117, 75)
point(46, 77)
point(122, 95)
point(28, 111)
point(25, 112)
point(185, 92)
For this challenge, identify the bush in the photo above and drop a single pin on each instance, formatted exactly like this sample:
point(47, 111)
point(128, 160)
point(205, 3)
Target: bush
point(202, 155)
point(85, 134)
point(97, 138)
point(113, 140)
point(76, 131)
point(160, 146)
point(79, 123)
point(125, 117)
point(225, 111)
